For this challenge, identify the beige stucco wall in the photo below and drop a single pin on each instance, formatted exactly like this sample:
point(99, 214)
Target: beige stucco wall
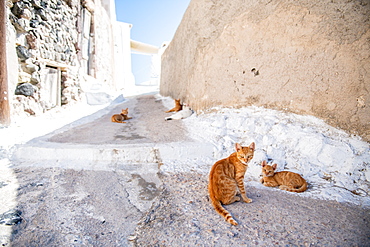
point(312, 57)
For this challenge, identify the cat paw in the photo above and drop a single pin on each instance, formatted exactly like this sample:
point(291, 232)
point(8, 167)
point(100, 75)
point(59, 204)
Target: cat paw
point(247, 200)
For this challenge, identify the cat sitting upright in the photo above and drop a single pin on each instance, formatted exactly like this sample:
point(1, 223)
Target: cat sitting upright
point(286, 180)
point(119, 118)
point(226, 180)
point(178, 106)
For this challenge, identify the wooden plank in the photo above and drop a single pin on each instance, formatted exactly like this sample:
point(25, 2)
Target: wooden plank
point(4, 94)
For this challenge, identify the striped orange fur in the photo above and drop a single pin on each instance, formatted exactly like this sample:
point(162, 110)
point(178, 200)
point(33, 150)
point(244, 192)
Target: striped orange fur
point(226, 180)
point(286, 180)
point(118, 118)
point(178, 106)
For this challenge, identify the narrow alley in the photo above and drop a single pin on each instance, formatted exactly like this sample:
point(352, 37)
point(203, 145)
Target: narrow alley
point(100, 184)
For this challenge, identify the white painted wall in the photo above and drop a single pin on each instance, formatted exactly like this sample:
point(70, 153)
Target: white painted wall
point(110, 7)
point(124, 77)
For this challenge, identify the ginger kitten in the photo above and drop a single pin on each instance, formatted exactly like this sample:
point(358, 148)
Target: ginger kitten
point(184, 113)
point(118, 118)
point(286, 180)
point(178, 106)
point(226, 180)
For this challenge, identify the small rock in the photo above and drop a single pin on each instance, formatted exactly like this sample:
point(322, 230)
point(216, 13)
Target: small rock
point(11, 217)
point(25, 89)
point(35, 78)
point(36, 4)
point(232, 234)
point(23, 53)
point(34, 23)
point(2, 184)
point(17, 9)
point(131, 238)
point(26, 14)
point(31, 68)
point(279, 228)
point(43, 14)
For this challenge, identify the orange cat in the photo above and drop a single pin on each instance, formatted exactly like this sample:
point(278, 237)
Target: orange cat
point(178, 106)
point(118, 118)
point(226, 180)
point(286, 180)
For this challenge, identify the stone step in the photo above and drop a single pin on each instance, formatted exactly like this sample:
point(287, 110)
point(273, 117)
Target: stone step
point(108, 157)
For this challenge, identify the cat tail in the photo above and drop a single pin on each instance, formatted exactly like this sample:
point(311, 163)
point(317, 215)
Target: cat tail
point(300, 189)
point(222, 211)
point(172, 110)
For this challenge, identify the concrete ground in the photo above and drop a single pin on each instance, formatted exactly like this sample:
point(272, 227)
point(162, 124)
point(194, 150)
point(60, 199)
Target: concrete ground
point(183, 216)
point(146, 126)
point(99, 184)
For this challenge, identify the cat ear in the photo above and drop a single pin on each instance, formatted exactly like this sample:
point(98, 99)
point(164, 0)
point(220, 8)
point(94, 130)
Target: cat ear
point(238, 147)
point(252, 146)
point(127, 109)
point(264, 163)
point(274, 166)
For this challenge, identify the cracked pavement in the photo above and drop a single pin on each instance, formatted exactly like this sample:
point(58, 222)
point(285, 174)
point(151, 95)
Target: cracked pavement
point(91, 205)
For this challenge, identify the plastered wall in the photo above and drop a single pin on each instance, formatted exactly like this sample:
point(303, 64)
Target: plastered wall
point(307, 57)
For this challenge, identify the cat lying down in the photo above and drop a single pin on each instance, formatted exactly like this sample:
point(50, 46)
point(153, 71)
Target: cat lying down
point(119, 118)
point(184, 113)
point(286, 180)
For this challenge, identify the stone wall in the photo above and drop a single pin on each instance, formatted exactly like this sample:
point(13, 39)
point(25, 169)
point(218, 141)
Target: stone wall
point(307, 57)
point(57, 50)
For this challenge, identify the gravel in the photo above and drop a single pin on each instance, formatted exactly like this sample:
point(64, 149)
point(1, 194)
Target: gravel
point(183, 216)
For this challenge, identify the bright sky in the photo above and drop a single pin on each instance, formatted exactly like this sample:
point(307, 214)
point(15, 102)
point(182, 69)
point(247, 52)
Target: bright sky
point(154, 22)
